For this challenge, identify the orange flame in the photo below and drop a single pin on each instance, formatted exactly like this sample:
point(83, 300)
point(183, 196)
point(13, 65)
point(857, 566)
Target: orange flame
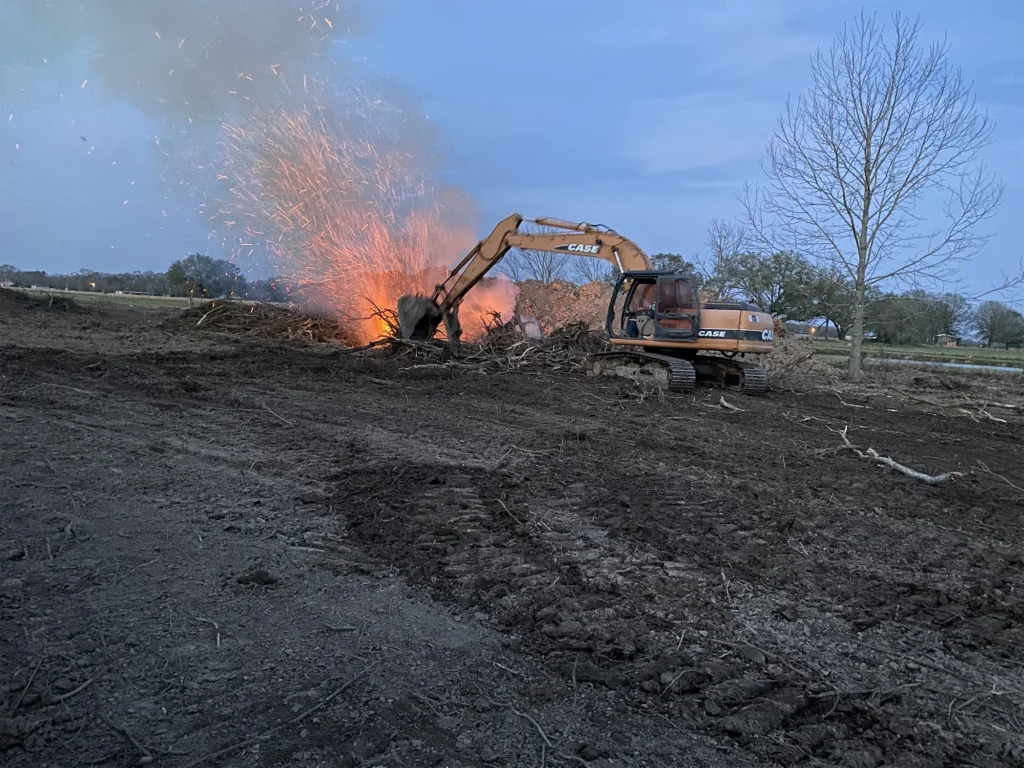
point(347, 217)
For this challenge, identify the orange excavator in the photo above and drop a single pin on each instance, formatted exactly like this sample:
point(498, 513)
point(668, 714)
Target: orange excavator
point(656, 323)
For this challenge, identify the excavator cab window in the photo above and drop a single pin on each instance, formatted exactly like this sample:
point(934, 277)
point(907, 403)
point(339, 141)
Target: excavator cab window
point(654, 306)
point(677, 307)
point(633, 308)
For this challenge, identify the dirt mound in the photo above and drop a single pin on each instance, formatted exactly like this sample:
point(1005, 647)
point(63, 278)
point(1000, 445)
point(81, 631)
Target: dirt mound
point(13, 301)
point(559, 304)
point(264, 321)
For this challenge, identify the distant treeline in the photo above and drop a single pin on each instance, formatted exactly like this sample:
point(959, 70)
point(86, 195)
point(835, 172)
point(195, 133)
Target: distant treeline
point(783, 284)
point(197, 275)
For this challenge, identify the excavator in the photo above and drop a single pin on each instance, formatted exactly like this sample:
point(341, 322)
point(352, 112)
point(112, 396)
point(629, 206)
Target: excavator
point(656, 323)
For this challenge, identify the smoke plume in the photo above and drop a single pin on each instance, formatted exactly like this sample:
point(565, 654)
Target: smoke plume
point(300, 163)
point(184, 61)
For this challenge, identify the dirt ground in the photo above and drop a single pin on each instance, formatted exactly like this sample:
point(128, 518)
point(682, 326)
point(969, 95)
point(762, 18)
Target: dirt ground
point(218, 551)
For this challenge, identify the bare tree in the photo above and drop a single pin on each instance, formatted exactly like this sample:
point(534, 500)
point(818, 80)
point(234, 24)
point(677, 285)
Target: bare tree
point(535, 265)
point(725, 242)
point(544, 266)
point(585, 269)
point(887, 126)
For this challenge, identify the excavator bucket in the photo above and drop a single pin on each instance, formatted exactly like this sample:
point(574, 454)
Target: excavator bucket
point(418, 318)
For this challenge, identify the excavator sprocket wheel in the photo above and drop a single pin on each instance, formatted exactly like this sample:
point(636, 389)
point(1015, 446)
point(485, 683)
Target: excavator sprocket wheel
point(683, 377)
point(755, 380)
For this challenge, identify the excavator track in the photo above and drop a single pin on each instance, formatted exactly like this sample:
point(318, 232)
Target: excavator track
point(682, 377)
point(755, 379)
point(746, 377)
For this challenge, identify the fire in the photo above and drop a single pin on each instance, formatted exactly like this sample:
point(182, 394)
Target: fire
point(345, 215)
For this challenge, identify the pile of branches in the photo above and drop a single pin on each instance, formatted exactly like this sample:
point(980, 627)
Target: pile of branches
point(791, 363)
point(263, 321)
point(22, 300)
point(505, 347)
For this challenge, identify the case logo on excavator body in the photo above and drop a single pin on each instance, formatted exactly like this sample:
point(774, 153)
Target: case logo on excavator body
point(579, 248)
point(712, 334)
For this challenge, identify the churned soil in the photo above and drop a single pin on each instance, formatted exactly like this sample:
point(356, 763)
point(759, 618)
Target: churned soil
point(222, 550)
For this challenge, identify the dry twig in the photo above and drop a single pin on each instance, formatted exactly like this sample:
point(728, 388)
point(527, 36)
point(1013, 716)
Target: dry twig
point(216, 627)
point(69, 694)
point(984, 468)
point(24, 691)
point(279, 416)
point(146, 752)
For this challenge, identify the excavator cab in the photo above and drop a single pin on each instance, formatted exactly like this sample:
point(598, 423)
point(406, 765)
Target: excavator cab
point(653, 306)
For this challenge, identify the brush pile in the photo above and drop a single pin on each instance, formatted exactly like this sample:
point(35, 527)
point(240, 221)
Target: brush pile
point(506, 347)
point(791, 363)
point(262, 321)
point(21, 300)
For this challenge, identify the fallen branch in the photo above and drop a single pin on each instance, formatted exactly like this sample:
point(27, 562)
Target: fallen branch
point(874, 455)
point(848, 405)
point(297, 719)
point(930, 479)
point(725, 404)
point(69, 694)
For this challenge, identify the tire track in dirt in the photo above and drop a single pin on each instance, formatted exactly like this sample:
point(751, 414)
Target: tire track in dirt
point(592, 573)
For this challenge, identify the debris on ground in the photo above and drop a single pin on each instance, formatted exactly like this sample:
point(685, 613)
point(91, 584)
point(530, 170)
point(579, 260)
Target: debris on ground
point(517, 570)
point(265, 321)
point(792, 364)
point(53, 302)
point(503, 348)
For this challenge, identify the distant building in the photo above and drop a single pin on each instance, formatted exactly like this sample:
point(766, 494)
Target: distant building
point(947, 340)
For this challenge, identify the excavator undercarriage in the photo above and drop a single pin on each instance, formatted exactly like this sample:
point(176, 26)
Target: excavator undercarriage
point(659, 328)
point(681, 374)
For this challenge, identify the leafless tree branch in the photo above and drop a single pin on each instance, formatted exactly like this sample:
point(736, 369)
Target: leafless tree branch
point(888, 127)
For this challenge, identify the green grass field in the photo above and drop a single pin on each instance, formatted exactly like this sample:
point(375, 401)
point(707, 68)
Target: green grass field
point(926, 353)
point(120, 299)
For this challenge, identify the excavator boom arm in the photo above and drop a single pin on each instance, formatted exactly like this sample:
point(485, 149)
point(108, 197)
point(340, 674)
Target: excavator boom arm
point(580, 240)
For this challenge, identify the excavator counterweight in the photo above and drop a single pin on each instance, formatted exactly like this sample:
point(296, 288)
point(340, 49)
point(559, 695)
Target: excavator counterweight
point(655, 319)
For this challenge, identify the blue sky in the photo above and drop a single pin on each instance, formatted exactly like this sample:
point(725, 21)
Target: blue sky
point(646, 116)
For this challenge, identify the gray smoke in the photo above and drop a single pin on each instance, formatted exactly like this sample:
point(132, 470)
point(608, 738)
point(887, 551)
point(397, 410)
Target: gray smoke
point(195, 65)
point(183, 61)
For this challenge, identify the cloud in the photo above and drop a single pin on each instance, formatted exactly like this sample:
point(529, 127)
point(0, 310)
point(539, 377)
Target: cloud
point(701, 131)
point(730, 38)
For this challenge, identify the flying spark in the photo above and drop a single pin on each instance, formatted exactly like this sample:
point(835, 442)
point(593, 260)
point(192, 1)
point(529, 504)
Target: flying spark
point(345, 215)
